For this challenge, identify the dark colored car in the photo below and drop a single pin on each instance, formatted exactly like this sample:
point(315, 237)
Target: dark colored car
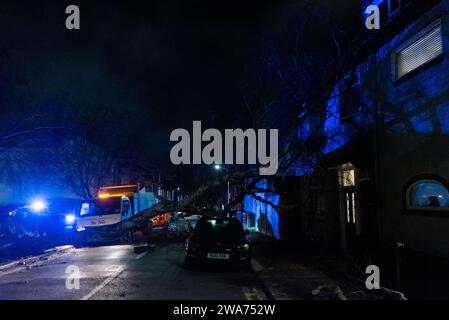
point(49, 218)
point(218, 240)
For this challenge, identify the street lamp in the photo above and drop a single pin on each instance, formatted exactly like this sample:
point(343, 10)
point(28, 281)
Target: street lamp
point(218, 168)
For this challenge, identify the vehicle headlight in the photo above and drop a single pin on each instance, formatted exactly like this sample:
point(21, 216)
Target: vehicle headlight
point(243, 247)
point(70, 219)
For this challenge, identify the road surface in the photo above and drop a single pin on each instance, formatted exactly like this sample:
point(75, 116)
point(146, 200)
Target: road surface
point(116, 272)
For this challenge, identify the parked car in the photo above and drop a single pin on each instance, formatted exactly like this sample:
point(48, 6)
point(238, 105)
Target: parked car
point(193, 220)
point(177, 215)
point(219, 240)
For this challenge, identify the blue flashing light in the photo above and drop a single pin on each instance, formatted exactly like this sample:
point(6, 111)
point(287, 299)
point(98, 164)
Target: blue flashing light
point(38, 206)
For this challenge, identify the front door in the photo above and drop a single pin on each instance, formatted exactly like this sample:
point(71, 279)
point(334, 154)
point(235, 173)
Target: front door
point(348, 205)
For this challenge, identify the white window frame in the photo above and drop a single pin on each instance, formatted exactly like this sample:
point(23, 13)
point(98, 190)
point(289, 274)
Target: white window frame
point(407, 197)
point(436, 24)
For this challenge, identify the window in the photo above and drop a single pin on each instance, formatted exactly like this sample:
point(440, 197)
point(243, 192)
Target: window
point(423, 48)
point(346, 175)
point(107, 206)
point(349, 102)
point(126, 208)
point(350, 207)
point(84, 209)
point(427, 195)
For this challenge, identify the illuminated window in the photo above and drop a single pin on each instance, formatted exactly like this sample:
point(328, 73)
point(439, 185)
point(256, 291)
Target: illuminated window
point(346, 175)
point(423, 48)
point(427, 194)
point(350, 207)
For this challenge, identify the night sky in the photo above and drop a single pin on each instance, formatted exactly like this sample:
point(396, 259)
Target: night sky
point(166, 62)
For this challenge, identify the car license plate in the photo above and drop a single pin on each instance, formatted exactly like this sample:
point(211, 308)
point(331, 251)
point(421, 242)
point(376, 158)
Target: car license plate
point(220, 256)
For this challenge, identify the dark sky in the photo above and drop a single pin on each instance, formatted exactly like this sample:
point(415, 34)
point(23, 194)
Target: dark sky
point(167, 62)
point(171, 61)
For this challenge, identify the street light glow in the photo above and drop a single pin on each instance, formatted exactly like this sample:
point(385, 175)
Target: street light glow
point(217, 167)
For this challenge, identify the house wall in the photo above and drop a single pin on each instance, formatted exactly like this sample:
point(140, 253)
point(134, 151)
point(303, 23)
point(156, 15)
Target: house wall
point(413, 136)
point(410, 121)
point(266, 217)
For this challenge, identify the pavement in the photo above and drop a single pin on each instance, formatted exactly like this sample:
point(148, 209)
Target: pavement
point(28, 247)
point(290, 273)
point(287, 279)
point(117, 272)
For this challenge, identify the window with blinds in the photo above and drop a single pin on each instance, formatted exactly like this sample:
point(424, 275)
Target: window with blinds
point(424, 48)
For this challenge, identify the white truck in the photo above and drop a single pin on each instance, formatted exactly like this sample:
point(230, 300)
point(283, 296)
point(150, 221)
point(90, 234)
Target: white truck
point(114, 213)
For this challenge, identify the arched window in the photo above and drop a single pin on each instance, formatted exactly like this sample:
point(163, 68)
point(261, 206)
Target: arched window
point(427, 194)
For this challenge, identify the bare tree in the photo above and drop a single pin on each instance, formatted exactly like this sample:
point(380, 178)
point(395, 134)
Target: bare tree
point(91, 149)
point(84, 166)
point(294, 81)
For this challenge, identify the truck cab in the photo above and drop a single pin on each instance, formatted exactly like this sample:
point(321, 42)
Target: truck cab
point(110, 215)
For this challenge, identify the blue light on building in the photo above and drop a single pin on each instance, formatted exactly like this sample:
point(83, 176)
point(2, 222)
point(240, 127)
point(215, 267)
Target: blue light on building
point(266, 217)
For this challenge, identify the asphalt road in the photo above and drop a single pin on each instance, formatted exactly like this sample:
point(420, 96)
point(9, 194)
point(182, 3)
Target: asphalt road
point(116, 272)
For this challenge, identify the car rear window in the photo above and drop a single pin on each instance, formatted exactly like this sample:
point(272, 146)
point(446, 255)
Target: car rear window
point(222, 228)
